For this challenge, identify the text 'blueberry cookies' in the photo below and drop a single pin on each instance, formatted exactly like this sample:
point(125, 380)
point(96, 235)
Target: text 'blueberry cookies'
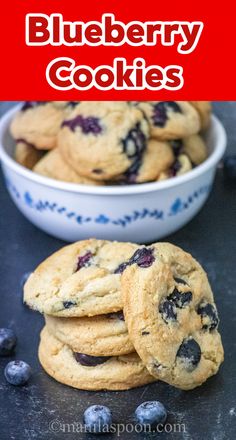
point(171, 316)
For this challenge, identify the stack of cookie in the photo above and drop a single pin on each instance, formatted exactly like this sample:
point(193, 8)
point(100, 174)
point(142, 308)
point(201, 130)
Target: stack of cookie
point(119, 315)
point(111, 143)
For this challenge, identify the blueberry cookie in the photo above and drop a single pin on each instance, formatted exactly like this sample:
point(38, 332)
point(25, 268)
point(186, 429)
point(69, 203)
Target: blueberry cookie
point(103, 335)
point(171, 119)
point(26, 154)
point(204, 110)
point(181, 165)
point(54, 166)
point(82, 279)
point(38, 123)
point(171, 316)
point(157, 158)
point(102, 140)
point(86, 372)
point(192, 146)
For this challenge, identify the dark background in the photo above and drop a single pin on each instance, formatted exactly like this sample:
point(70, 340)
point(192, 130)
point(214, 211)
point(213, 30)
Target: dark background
point(208, 412)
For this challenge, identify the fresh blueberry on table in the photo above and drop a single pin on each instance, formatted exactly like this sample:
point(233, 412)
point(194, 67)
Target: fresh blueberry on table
point(97, 418)
point(7, 341)
point(151, 413)
point(230, 167)
point(17, 372)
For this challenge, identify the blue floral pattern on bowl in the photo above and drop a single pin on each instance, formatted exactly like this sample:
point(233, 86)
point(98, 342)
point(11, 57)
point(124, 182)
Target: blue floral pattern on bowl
point(176, 207)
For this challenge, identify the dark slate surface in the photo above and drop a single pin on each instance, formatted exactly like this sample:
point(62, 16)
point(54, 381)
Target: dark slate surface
point(208, 412)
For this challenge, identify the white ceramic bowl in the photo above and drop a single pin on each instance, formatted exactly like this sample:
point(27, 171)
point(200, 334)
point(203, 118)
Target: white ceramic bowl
point(139, 213)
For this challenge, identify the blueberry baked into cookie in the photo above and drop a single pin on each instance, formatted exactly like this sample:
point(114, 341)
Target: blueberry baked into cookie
point(171, 316)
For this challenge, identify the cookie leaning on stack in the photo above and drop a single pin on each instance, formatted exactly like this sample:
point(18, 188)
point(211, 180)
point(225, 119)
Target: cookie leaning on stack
point(170, 316)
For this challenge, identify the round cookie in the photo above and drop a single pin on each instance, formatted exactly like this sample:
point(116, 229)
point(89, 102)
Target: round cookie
point(157, 158)
point(103, 335)
point(116, 373)
point(181, 165)
point(102, 140)
point(171, 316)
point(81, 279)
point(38, 123)
point(204, 109)
point(193, 146)
point(54, 166)
point(171, 119)
point(27, 155)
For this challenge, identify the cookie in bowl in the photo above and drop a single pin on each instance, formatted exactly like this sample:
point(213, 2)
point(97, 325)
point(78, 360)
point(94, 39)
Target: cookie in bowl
point(38, 122)
point(102, 140)
point(54, 166)
point(26, 154)
point(171, 119)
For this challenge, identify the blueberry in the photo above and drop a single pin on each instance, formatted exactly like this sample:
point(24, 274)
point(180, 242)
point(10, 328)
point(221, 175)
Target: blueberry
point(168, 311)
point(175, 168)
point(97, 418)
point(135, 142)
point(68, 304)
point(97, 171)
point(143, 257)
point(7, 341)
point(24, 278)
point(180, 299)
point(177, 146)
point(209, 316)
point(87, 125)
point(84, 260)
point(32, 104)
point(230, 167)
point(160, 110)
point(121, 267)
point(190, 354)
point(90, 361)
point(17, 372)
point(72, 104)
point(151, 413)
point(130, 175)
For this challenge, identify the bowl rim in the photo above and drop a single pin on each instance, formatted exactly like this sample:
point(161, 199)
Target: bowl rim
point(210, 162)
